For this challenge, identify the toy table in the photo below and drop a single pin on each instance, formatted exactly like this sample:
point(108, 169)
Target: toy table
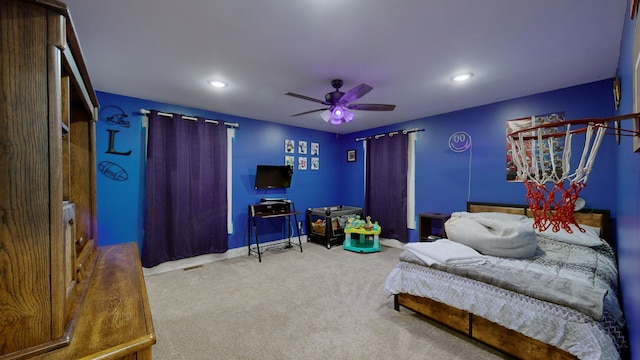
point(362, 244)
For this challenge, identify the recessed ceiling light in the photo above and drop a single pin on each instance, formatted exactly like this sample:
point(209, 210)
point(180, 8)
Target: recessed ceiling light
point(462, 77)
point(218, 84)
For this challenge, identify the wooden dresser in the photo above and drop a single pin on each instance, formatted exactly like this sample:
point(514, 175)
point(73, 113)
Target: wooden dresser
point(114, 318)
point(61, 296)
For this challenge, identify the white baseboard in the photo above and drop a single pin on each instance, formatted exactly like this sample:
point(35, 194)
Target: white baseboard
point(208, 258)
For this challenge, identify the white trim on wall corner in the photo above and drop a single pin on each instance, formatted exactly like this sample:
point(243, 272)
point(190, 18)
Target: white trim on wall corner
point(231, 138)
point(411, 182)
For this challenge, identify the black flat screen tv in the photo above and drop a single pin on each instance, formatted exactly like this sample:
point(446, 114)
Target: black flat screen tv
point(273, 176)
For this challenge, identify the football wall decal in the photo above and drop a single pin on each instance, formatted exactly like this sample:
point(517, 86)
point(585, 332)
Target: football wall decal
point(113, 171)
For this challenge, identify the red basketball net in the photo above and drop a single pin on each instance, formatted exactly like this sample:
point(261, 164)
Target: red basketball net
point(553, 206)
point(542, 155)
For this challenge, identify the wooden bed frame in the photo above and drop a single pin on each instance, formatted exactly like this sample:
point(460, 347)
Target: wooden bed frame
point(485, 331)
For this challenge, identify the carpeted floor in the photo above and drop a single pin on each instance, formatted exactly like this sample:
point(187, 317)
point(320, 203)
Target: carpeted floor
point(318, 304)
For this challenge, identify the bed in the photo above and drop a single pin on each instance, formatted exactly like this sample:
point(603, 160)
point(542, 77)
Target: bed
point(504, 302)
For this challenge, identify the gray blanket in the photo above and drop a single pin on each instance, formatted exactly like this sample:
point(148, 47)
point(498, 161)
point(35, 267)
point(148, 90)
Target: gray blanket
point(577, 295)
point(493, 234)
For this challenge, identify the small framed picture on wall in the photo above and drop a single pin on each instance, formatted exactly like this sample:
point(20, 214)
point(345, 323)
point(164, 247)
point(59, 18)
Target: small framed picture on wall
point(289, 160)
point(302, 163)
point(289, 146)
point(351, 155)
point(302, 147)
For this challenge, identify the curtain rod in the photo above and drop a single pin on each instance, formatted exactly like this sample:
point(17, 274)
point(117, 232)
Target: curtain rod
point(406, 131)
point(145, 111)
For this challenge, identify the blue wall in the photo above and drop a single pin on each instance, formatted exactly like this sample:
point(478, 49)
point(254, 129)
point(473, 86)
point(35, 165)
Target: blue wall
point(628, 195)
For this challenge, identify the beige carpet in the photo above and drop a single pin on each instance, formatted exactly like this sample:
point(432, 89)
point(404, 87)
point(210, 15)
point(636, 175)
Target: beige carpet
point(319, 304)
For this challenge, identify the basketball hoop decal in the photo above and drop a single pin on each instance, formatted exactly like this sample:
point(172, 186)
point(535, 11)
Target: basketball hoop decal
point(460, 142)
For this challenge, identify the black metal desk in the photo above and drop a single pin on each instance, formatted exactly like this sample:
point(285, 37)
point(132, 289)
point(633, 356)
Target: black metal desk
point(265, 211)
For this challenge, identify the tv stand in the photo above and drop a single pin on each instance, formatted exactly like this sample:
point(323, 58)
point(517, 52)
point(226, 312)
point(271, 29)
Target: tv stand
point(269, 210)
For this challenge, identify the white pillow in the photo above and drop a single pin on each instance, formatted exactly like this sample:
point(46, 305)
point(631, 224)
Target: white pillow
point(591, 236)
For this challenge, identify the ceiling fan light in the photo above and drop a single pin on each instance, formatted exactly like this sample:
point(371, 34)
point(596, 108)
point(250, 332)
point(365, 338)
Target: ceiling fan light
point(348, 115)
point(326, 115)
point(336, 121)
point(338, 112)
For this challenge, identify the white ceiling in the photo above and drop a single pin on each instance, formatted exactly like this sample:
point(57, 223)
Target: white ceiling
point(407, 50)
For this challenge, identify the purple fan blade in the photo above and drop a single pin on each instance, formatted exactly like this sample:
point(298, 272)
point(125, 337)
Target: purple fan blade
point(309, 112)
point(355, 93)
point(303, 97)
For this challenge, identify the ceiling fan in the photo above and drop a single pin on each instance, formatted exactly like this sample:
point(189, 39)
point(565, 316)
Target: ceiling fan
point(339, 103)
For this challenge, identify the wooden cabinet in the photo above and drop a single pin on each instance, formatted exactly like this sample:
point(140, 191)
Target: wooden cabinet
point(48, 224)
point(432, 224)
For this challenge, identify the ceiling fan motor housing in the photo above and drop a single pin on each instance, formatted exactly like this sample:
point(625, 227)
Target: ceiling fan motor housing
point(334, 96)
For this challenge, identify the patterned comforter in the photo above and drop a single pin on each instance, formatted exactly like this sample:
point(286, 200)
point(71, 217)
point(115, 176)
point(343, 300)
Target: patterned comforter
point(565, 296)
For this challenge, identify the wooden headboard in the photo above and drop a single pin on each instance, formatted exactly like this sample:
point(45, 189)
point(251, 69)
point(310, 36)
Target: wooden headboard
point(596, 218)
